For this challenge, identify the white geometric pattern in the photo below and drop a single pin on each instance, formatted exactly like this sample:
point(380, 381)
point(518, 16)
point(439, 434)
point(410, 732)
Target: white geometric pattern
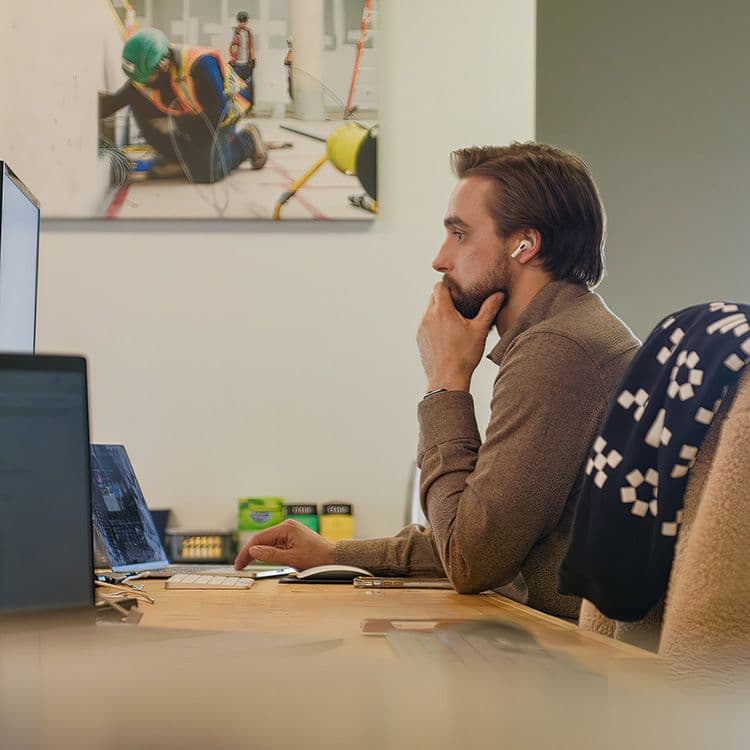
point(736, 323)
point(688, 453)
point(665, 353)
point(734, 362)
point(658, 434)
point(694, 376)
point(669, 528)
point(723, 306)
point(626, 399)
point(706, 416)
point(668, 322)
point(600, 461)
point(649, 483)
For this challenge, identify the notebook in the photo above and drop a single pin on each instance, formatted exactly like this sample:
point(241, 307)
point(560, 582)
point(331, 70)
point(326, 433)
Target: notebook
point(126, 531)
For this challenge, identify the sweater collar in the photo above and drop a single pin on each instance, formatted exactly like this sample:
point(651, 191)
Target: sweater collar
point(550, 300)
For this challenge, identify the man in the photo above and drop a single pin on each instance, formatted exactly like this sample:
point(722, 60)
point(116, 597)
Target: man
point(242, 53)
point(524, 244)
point(187, 103)
point(289, 64)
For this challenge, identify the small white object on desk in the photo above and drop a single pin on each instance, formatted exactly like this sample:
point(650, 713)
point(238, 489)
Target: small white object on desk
point(326, 574)
point(193, 581)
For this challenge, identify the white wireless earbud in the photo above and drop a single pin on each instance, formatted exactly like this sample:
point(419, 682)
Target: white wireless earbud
point(523, 246)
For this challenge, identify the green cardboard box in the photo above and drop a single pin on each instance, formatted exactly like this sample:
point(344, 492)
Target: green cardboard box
point(304, 513)
point(256, 514)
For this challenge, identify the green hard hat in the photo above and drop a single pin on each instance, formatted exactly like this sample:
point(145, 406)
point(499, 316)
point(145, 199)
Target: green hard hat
point(142, 54)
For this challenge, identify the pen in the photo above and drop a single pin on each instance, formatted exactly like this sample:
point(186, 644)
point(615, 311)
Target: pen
point(365, 582)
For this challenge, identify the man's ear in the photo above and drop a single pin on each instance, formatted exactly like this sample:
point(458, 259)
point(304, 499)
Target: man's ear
point(528, 243)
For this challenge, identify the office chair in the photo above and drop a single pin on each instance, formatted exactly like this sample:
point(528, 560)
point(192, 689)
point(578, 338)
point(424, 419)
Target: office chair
point(702, 626)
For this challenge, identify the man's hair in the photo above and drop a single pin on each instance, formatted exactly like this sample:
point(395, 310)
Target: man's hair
point(548, 189)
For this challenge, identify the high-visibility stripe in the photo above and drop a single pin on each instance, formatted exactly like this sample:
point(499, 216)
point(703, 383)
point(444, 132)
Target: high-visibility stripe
point(184, 89)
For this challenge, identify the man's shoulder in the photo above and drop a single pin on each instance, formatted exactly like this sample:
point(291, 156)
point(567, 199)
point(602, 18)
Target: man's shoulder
point(595, 337)
point(589, 323)
point(206, 65)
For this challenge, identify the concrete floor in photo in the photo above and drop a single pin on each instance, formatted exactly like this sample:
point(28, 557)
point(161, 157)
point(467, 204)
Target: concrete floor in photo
point(252, 194)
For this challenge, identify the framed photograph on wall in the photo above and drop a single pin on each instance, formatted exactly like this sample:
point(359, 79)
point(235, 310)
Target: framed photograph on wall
point(204, 109)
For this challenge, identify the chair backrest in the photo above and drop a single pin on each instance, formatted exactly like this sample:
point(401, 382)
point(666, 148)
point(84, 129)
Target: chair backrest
point(704, 622)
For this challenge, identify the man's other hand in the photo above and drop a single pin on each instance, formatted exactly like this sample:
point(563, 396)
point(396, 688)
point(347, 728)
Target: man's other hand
point(289, 543)
point(450, 345)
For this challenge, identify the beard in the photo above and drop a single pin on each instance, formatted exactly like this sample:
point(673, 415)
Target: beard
point(469, 301)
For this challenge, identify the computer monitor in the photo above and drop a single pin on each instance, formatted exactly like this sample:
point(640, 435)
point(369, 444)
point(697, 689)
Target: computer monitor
point(46, 557)
point(19, 256)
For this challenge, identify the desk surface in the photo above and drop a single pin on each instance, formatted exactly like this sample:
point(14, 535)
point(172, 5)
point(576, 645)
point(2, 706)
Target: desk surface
point(286, 666)
point(337, 611)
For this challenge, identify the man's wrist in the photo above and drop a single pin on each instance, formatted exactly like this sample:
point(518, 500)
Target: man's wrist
point(448, 384)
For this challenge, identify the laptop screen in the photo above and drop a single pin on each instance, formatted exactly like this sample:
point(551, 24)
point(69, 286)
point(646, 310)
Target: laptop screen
point(19, 256)
point(123, 522)
point(45, 505)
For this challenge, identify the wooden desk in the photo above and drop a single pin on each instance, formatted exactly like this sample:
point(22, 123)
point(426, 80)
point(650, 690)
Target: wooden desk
point(337, 611)
point(285, 666)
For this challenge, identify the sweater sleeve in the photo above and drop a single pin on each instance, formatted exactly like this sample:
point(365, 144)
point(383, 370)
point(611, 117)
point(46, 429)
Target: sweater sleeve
point(411, 552)
point(111, 103)
point(489, 503)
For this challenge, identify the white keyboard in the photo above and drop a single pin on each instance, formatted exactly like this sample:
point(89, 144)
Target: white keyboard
point(194, 581)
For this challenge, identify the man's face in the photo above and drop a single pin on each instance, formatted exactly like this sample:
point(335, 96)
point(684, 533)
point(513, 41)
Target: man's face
point(473, 259)
point(162, 69)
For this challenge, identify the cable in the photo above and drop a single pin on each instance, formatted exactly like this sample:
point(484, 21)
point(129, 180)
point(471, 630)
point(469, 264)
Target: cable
point(171, 122)
point(118, 162)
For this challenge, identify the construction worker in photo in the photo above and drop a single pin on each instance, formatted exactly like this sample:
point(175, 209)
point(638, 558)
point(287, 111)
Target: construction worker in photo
point(188, 104)
point(242, 53)
point(289, 63)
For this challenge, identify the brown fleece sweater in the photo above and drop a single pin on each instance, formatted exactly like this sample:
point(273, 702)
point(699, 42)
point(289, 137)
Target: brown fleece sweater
point(505, 506)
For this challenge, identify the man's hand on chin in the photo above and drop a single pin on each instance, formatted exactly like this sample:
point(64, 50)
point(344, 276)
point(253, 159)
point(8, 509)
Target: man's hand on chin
point(450, 345)
point(289, 543)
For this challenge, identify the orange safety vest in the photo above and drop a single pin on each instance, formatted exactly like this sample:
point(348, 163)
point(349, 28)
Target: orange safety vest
point(185, 102)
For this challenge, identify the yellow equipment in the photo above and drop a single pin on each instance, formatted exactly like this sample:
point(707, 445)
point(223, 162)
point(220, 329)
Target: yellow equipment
point(344, 149)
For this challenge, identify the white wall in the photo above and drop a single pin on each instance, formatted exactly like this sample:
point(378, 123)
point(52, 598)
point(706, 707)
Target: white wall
point(50, 58)
point(263, 359)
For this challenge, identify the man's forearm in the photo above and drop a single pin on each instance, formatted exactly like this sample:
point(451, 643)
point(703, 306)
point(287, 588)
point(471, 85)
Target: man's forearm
point(411, 552)
point(111, 103)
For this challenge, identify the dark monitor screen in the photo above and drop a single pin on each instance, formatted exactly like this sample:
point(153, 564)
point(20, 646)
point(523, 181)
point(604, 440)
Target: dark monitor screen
point(19, 256)
point(46, 559)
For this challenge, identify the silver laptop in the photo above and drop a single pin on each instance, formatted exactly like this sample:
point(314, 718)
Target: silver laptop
point(126, 531)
